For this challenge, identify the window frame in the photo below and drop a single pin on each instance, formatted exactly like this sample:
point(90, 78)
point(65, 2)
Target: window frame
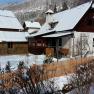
point(10, 45)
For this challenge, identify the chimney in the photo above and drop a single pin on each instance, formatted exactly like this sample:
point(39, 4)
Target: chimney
point(49, 14)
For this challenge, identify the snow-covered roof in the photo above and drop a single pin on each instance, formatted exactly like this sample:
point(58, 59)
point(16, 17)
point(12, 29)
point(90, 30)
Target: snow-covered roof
point(8, 20)
point(57, 35)
point(6, 13)
point(49, 12)
point(92, 5)
point(33, 25)
point(45, 29)
point(67, 19)
point(32, 31)
point(6, 36)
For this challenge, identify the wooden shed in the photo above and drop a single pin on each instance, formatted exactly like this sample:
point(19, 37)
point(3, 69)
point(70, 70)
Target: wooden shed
point(13, 43)
point(12, 39)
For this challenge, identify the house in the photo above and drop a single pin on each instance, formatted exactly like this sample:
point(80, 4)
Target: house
point(13, 43)
point(66, 31)
point(12, 39)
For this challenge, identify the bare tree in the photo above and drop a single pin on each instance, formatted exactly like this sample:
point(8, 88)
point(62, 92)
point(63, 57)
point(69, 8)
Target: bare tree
point(83, 78)
point(34, 80)
point(64, 6)
point(8, 67)
point(81, 45)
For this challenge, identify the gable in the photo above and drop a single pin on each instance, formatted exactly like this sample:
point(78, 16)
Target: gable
point(68, 19)
point(86, 24)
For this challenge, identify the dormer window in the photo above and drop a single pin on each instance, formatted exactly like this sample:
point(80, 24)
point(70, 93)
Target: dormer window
point(53, 24)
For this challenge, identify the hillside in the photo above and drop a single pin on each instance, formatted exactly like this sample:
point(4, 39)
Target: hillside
point(32, 9)
point(40, 4)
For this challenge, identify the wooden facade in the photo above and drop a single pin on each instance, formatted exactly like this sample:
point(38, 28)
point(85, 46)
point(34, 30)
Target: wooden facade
point(37, 45)
point(12, 39)
point(65, 47)
point(13, 48)
point(48, 46)
point(86, 24)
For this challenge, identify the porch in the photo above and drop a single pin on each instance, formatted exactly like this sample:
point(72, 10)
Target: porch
point(59, 45)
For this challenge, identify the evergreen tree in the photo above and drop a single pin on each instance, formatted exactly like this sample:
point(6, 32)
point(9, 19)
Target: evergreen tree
point(64, 6)
point(55, 8)
point(7, 68)
point(21, 65)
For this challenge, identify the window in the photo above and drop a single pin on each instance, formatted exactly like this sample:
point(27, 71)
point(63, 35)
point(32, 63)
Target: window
point(10, 45)
point(60, 42)
point(39, 43)
point(93, 42)
point(33, 44)
point(52, 43)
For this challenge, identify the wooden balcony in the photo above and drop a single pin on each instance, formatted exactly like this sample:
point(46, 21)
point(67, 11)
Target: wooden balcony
point(64, 51)
point(37, 48)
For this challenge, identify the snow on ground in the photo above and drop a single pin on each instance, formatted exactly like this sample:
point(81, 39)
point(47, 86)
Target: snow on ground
point(57, 83)
point(15, 59)
point(29, 59)
point(61, 81)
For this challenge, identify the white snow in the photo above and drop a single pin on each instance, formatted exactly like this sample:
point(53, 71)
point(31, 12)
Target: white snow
point(8, 20)
point(67, 19)
point(15, 59)
point(29, 59)
point(6, 13)
point(93, 6)
point(32, 31)
point(34, 25)
point(57, 83)
point(43, 30)
point(6, 36)
point(49, 11)
point(61, 81)
point(58, 35)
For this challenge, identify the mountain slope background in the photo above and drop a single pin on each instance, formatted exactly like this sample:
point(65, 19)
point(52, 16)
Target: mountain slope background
point(34, 9)
point(25, 5)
